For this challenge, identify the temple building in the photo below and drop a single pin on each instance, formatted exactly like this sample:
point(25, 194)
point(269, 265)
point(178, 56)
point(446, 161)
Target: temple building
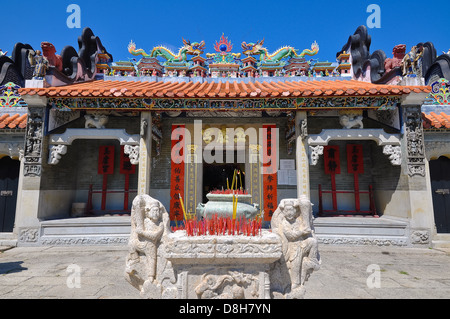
point(179, 126)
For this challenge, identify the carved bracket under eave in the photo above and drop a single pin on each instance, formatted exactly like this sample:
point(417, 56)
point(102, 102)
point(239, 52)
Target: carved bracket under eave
point(314, 154)
point(56, 152)
point(133, 153)
point(394, 153)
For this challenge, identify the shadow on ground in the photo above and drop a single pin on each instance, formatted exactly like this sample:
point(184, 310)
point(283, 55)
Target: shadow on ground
point(11, 267)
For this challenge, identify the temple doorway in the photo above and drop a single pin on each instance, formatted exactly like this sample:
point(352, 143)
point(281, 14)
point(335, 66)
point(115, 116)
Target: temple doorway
point(9, 180)
point(440, 187)
point(215, 175)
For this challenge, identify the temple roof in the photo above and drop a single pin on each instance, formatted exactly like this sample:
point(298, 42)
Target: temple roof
point(226, 89)
point(436, 121)
point(11, 121)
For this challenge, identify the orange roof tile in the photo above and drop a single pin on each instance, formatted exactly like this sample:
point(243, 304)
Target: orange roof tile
point(436, 121)
point(231, 89)
point(13, 121)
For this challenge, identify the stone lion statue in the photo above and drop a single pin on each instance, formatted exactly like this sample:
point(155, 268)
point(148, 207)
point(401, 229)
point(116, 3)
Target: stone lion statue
point(95, 121)
point(349, 121)
point(398, 53)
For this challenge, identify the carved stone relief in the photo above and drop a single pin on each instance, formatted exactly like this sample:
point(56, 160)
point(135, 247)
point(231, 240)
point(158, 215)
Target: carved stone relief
point(33, 142)
point(29, 235)
point(229, 286)
point(304, 128)
point(292, 221)
point(145, 266)
point(414, 141)
point(420, 237)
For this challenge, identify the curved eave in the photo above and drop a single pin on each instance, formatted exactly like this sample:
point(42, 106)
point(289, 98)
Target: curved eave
point(228, 89)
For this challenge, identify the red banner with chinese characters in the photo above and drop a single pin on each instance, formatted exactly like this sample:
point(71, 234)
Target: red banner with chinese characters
point(331, 159)
point(177, 172)
point(355, 159)
point(269, 171)
point(125, 165)
point(106, 160)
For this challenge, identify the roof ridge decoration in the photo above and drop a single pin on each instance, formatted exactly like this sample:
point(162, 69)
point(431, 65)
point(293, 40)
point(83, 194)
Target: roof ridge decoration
point(221, 64)
point(421, 64)
point(223, 55)
point(10, 97)
point(440, 93)
point(275, 57)
point(188, 48)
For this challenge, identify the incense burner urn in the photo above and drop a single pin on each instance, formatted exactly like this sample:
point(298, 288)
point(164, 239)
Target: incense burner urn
point(222, 205)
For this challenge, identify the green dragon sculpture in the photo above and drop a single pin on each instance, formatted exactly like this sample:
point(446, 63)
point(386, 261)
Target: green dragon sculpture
point(195, 48)
point(264, 56)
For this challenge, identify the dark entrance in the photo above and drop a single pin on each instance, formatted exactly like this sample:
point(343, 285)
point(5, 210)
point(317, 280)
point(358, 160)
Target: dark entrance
point(440, 186)
point(215, 175)
point(9, 180)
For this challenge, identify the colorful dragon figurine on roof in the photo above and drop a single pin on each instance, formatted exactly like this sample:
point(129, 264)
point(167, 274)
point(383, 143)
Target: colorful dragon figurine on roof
point(264, 56)
point(195, 48)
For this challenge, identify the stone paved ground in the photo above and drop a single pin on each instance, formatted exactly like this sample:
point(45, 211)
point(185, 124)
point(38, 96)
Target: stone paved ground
point(42, 272)
point(404, 273)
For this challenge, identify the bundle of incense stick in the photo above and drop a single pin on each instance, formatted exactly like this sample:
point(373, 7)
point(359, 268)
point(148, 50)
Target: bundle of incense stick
point(229, 191)
point(235, 200)
point(234, 177)
point(182, 207)
point(221, 226)
point(234, 180)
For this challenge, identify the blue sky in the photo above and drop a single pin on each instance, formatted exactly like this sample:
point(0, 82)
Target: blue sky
point(295, 23)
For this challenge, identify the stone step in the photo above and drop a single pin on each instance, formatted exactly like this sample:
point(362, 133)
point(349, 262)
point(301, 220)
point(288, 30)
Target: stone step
point(8, 240)
point(329, 230)
point(86, 230)
point(361, 231)
point(441, 241)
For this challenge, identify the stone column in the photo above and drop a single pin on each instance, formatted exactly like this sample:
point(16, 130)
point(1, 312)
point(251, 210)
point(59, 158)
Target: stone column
point(254, 175)
point(415, 168)
point(145, 153)
point(27, 212)
point(301, 149)
point(193, 183)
